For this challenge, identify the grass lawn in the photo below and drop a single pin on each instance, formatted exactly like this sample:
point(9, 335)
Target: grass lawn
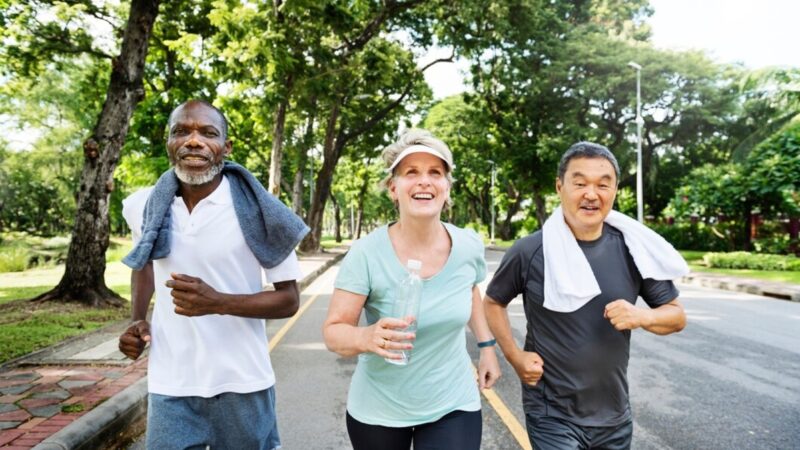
point(328, 242)
point(768, 275)
point(499, 243)
point(26, 326)
point(695, 260)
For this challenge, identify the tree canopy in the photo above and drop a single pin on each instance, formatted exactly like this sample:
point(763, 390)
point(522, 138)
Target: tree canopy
point(314, 89)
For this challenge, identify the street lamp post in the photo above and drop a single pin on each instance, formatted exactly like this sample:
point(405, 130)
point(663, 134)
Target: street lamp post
point(639, 123)
point(491, 192)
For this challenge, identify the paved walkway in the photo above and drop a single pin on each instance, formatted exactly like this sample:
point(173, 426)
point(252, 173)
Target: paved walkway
point(84, 389)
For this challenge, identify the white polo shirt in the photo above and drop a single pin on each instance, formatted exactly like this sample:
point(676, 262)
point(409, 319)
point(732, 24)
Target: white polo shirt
point(207, 355)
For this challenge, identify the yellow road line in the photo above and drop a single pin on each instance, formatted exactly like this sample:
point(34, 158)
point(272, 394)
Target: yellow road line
point(273, 342)
point(508, 418)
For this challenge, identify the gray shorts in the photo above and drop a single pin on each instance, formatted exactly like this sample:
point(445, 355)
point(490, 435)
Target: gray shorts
point(226, 421)
point(552, 433)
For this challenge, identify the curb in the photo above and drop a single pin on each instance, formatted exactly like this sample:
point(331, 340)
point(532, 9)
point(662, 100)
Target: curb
point(104, 425)
point(767, 289)
point(308, 279)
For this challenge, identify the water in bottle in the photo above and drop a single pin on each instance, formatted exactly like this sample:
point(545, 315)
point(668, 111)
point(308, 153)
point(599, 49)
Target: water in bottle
point(406, 305)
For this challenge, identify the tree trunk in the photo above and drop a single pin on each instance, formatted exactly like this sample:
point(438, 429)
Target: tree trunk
point(84, 277)
point(337, 218)
point(277, 140)
point(505, 230)
point(748, 223)
point(280, 116)
point(322, 186)
point(362, 193)
point(297, 185)
point(794, 232)
point(541, 210)
point(302, 158)
point(359, 221)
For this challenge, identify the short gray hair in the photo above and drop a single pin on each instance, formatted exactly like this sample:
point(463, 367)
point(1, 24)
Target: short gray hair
point(206, 103)
point(586, 149)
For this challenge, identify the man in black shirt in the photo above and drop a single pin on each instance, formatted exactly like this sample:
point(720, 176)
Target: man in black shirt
point(574, 364)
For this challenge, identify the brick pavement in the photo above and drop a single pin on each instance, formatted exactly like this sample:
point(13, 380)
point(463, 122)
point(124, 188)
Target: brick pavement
point(36, 402)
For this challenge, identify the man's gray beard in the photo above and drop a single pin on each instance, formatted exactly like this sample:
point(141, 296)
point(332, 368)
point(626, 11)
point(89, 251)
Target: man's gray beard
point(196, 179)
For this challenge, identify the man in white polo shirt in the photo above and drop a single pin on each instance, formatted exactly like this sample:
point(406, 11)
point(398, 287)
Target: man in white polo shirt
point(204, 235)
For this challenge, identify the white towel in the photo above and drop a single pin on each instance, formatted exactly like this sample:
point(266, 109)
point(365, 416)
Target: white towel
point(569, 282)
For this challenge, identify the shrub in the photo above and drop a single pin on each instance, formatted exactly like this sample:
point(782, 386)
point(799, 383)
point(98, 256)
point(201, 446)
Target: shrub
point(776, 244)
point(700, 236)
point(747, 260)
point(13, 259)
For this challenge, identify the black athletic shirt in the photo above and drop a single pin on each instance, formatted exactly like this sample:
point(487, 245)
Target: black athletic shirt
point(585, 358)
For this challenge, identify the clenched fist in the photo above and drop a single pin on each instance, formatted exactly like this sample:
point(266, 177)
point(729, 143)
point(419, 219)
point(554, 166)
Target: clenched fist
point(134, 339)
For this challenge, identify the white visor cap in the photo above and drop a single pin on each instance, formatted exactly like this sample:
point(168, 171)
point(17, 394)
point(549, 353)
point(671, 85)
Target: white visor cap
point(417, 148)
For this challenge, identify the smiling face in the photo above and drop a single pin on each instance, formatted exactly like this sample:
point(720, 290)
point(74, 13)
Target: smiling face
point(419, 186)
point(587, 194)
point(197, 146)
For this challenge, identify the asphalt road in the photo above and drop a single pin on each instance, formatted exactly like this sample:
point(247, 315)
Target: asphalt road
point(731, 379)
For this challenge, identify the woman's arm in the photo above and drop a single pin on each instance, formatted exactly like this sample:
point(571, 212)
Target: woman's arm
point(343, 335)
point(488, 367)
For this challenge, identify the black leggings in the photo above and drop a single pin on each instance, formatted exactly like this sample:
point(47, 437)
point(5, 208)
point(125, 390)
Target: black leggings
point(458, 430)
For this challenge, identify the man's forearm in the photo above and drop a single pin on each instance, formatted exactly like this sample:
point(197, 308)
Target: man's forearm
point(666, 319)
point(142, 288)
point(278, 304)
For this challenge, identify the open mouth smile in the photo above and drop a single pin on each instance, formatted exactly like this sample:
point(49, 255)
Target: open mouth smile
point(422, 196)
point(193, 160)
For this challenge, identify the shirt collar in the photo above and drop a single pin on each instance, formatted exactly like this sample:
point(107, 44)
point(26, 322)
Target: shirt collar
point(220, 196)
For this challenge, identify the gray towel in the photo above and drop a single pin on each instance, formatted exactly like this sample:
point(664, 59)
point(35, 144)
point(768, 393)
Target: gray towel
point(270, 229)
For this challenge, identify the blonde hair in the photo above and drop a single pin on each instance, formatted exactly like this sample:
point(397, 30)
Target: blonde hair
point(417, 136)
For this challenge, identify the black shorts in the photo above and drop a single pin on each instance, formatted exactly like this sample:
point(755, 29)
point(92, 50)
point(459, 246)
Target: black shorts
point(552, 433)
point(458, 430)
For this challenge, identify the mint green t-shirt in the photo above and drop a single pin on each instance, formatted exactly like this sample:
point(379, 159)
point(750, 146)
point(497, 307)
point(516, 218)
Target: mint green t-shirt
point(439, 379)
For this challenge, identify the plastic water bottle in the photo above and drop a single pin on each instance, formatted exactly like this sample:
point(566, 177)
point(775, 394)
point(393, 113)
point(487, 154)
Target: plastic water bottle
point(406, 305)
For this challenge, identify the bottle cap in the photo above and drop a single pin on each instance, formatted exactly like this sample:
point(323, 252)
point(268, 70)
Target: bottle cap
point(414, 264)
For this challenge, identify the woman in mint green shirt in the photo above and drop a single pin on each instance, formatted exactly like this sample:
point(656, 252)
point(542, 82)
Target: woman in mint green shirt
point(433, 401)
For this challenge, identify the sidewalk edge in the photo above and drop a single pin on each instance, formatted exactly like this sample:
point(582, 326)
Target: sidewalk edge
point(94, 429)
point(308, 279)
point(771, 289)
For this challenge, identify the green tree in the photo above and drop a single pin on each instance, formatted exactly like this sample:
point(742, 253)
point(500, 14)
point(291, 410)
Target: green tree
point(55, 107)
point(463, 127)
point(771, 101)
point(373, 83)
point(39, 40)
point(765, 182)
point(688, 102)
point(772, 170)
